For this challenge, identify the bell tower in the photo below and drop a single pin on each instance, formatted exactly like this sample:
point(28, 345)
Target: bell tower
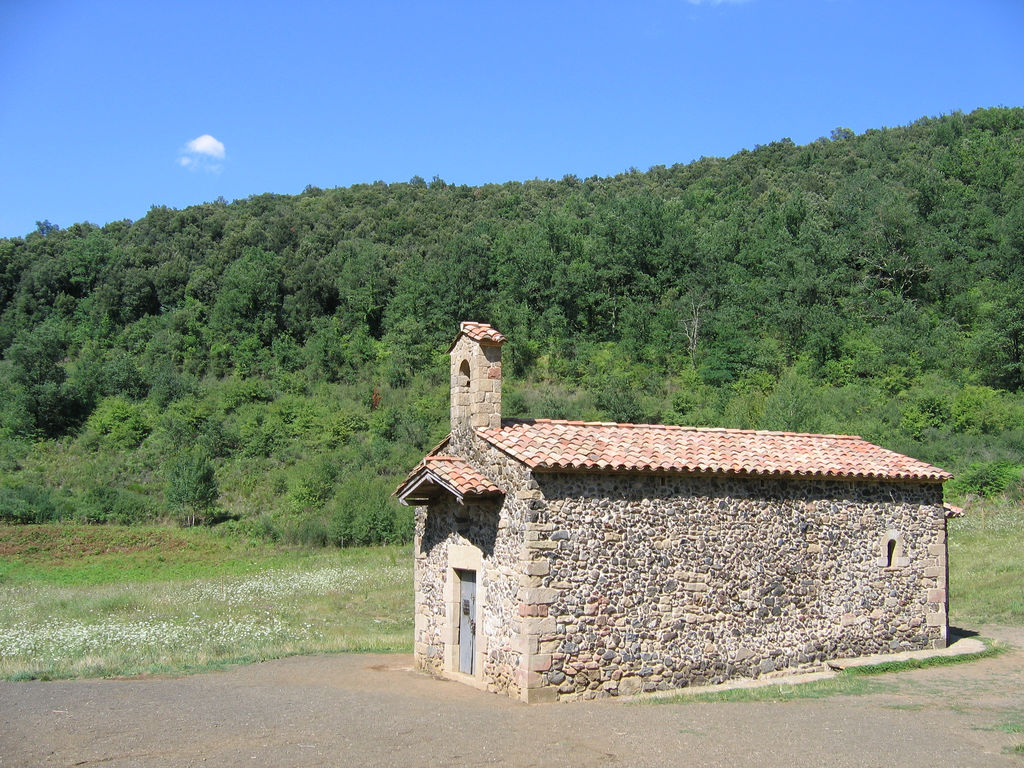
point(475, 381)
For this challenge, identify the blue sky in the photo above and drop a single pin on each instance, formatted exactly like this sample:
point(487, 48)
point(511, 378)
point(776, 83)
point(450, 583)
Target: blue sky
point(109, 108)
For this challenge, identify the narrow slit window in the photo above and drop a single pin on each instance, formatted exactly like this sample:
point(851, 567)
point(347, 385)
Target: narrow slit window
point(891, 551)
point(460, 394)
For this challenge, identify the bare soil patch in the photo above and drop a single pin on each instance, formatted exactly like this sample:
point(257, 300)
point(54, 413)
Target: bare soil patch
point(58, 544)
point(375, 710)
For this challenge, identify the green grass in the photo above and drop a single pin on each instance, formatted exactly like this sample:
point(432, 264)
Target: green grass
point(1013, 723)
point(991, 649)
point(93, 555)
point(157, 600)
point(781, 692)
point(1010, 727)
point(986, 549)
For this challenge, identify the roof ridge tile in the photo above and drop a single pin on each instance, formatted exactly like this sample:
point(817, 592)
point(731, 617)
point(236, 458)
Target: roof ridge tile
point(673, 427)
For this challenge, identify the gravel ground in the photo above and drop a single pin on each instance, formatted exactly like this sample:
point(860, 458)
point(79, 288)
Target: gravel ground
point(375, 711)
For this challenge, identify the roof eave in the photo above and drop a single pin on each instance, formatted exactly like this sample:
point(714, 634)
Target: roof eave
point(697, 472)
point(481, 342)
point(425, 477)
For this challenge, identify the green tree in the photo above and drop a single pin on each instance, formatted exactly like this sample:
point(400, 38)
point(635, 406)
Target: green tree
point(191, 487)
point(249, 300)
point(36, 365)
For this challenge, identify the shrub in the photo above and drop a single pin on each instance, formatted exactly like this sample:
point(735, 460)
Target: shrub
point(28, 504)
point(363, 512)
point(105, 504)
point(793, 405)
point(119, 423)
point(986, 479)
point(185, 419)
point(514, 404)
point(619, 399)
point(383, 424)
point(309, 532)
point(259, 528)
point(341, 426)
point(241, 391)
point(979, 411)
point(167, 384)
point(15, 418)
point(553, 405)
point(121, 376)
point(316, 487)
point(260, 436)
point(925, 406)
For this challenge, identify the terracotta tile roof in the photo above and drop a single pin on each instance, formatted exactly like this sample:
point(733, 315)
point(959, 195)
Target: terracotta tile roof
point(460, 474)
point(482, 332)
point(549, 444)
point(454, 474)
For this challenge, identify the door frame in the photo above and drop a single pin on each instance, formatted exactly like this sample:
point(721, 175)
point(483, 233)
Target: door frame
point(467, 634)
point(462, 557)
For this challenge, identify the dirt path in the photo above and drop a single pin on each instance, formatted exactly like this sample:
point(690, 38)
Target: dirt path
point(373, 710)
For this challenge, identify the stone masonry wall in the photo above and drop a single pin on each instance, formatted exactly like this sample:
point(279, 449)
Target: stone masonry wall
point(522, 503)
point(513, 624)
point(655, 582)
point(438, 527)
point(476, 397)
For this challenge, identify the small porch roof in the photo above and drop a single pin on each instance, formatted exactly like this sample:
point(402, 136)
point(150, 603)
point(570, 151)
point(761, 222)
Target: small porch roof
point(438, 473)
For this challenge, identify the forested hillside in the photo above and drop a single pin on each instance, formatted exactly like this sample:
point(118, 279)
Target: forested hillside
point(278, 362)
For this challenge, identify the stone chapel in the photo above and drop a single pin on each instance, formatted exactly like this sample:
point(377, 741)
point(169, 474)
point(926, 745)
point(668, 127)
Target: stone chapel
point(565, 559)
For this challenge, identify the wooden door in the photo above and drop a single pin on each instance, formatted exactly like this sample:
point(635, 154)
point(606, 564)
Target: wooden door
point(467, 621)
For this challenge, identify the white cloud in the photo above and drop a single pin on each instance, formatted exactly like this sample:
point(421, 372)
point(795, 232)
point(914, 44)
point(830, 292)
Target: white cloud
point(206, 145)
point(202, 153)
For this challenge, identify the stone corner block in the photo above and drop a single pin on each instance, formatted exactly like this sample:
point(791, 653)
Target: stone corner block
point(537, 595)
point(540, 662)
point(540, 567)
point(541, 527)
point(539, 625)
point(546, 695)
